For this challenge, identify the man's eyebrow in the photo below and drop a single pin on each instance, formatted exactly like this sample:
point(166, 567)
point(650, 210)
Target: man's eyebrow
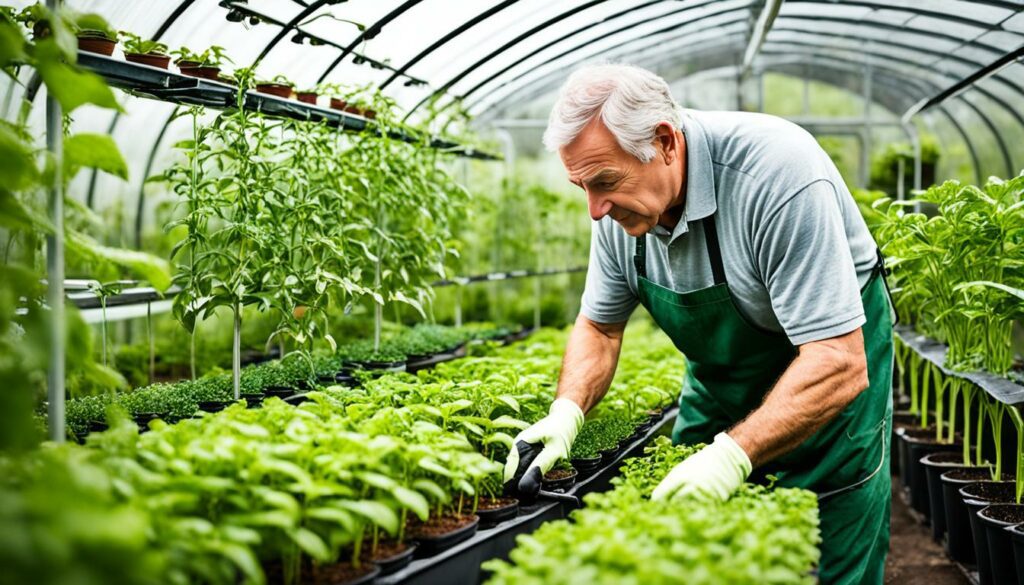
point(603, 174)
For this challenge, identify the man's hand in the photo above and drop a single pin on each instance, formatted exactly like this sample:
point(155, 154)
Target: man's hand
point(556, 431)
point(715, 471)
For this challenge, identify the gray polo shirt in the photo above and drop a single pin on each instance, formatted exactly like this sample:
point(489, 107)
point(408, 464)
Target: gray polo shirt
point(795, 247)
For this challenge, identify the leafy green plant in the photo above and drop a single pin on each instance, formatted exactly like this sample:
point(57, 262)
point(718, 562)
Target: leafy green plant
point(214, 56)
point(692, 541)
point(135, 44)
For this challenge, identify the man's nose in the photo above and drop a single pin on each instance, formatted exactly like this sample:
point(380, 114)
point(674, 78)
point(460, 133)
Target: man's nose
point(598, 207)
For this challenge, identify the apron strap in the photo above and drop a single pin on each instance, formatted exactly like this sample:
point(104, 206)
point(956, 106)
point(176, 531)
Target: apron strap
point(714, 251)
point(710, 241)
point(640, 256)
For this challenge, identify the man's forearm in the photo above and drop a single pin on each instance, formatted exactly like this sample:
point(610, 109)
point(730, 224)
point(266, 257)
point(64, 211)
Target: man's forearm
point(590, 360)
point(823, 379)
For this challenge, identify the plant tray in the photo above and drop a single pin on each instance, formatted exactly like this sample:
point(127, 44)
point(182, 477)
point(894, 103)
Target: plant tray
point(397, 561)
point(493, 516)
point(431, 545)
point(461, 562)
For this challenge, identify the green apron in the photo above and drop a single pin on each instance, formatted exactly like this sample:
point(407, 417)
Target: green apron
point(732, 364)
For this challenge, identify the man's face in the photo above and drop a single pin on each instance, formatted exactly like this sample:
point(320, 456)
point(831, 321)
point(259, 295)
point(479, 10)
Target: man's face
point(633, 193)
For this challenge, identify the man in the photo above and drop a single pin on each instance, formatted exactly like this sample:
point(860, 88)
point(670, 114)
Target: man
point(737, 234)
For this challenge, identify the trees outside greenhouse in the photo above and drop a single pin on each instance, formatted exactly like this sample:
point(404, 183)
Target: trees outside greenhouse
point(288, 288)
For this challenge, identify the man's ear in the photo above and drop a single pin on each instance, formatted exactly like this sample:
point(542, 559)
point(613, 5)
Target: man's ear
point(665, 139)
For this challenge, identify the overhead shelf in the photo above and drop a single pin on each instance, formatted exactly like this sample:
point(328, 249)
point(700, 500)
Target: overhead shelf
point(165, 85)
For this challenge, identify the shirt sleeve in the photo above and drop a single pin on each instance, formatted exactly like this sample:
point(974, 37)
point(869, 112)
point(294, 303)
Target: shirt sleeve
point(804, 257)
point(607, 296)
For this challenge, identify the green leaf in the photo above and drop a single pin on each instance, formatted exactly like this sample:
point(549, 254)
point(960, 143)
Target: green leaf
point(150, 268)
point(94, 151)
point(430, 487)
point(511, 402)
point(311, 544)
point(17, 166)
point(1006, 289)
point(12, 45)
point(328, 514)
point(413, 500)
point(374, 511)
point(68, 85)
point(14, 216)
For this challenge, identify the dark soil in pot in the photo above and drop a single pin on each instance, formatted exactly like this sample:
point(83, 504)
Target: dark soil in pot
point(96, 44)
point(211, 73)
point(308, 97)
point(442, 532)
point(337, 574)
point(558, 479)
point(935, 465)
point(152, 59)
point(995, 519)
point(587, 466)
point(959, 545)
point(495, 510)
point(391, 556)
point(276, 89)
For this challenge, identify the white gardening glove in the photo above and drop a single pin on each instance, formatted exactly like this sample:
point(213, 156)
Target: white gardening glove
point(556, 432)
point(717, 470)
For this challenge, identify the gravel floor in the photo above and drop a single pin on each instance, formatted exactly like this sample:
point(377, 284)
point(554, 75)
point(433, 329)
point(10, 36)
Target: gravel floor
point(914, 559)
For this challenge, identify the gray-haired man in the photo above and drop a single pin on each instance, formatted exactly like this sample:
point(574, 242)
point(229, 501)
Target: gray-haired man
point(737, 234)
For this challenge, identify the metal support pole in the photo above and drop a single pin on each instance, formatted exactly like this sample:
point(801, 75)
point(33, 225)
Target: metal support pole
point(236, 353)
point(901, 173)
point(760, 91)
point(915, 141)
point(806, 94)
point(152, 342)
point(458, 305)
point(55, 266)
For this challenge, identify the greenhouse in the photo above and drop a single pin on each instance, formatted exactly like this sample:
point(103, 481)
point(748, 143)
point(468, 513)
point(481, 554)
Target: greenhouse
point(337, 292)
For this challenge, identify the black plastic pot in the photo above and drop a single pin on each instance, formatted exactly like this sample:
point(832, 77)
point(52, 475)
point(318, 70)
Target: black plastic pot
point(900, 420)
point(97, 426)
point(365, 579)
point(386, 366)
point(397, 562)
point(608, 455)
point(431, 545)
point(214, 405)
point(252, 400)
point(916, 445)
point(935, 465)
point(144, 418)
point(563, 483)
point(959, 545)
point(995, 519)
point(1017, 542)
point(977, 496)
point(586, 466)
point(281, 392)
point(493, 516)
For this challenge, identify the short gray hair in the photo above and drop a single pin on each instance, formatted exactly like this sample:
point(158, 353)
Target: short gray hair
point(631, 102)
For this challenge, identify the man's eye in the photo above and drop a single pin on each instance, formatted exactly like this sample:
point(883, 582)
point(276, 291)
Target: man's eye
point(605, 186)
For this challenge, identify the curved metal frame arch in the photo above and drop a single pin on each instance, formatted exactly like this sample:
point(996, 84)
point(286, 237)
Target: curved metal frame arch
point(573, 33)
point(912, 10)
point(523, 36)
point(370, 32)
point(1016, 88)
point(985, 119)
point(579, 47)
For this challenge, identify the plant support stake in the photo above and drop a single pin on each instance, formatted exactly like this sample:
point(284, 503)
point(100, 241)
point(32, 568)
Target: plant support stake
point(55, 266)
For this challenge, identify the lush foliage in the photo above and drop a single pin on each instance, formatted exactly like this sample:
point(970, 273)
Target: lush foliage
point(760, 535)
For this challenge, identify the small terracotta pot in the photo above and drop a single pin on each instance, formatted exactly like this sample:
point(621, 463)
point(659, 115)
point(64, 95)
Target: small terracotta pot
point(203, 72)
point(370, 114)
point(96, 44)
point(307, 97)
point(186, 63)
point(337, 104)
point(275, 89)
point(152, 59)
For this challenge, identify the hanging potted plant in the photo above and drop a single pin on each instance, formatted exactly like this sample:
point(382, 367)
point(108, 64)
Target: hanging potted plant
point(94, 34)
point(206, 65)
point(146, 52)
point(279, 86)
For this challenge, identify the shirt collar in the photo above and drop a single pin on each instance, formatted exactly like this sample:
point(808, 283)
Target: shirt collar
point(700, 200)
